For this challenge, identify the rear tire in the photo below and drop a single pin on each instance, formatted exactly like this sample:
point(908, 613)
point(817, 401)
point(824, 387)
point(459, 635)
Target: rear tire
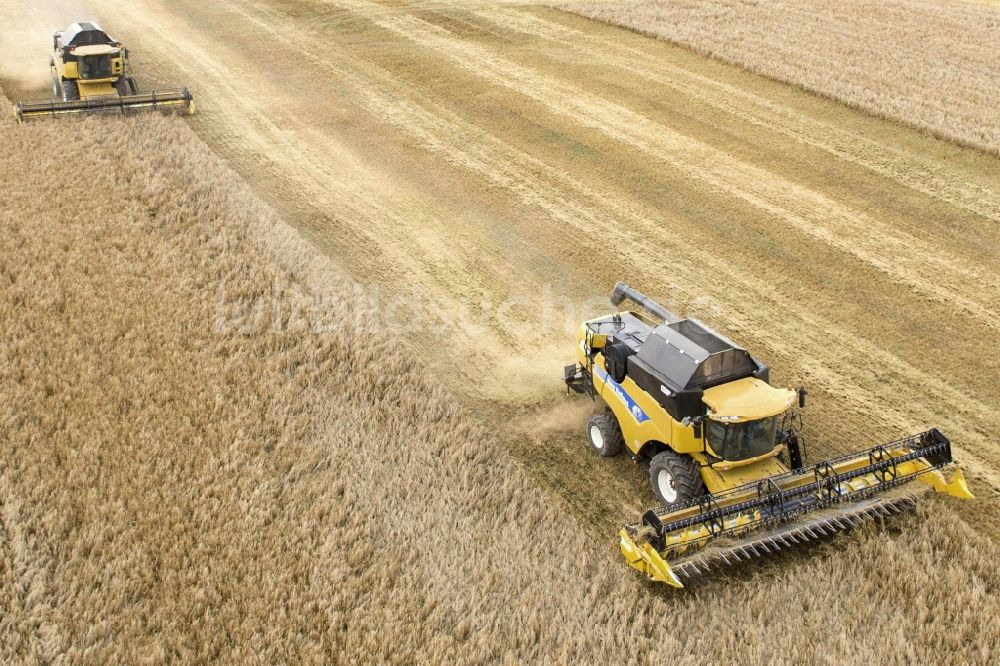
point(71, 91)
point(675, 478)
point(604, 435)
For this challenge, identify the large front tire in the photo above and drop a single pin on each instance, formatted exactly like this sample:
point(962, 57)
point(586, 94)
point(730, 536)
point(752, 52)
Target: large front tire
point(71, 91)
point(675, 478)
point(604, 435)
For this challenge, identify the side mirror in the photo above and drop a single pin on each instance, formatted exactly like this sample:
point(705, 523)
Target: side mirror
point(802, 397)
point(695, 423)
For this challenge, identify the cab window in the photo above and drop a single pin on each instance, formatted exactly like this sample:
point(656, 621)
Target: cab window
point(739, 441)
point(95, 67)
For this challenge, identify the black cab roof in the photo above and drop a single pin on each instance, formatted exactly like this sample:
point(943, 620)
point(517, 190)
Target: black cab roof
point(85, 33)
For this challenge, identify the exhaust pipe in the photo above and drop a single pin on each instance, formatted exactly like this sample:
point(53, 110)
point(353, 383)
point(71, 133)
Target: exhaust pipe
point(622, 292)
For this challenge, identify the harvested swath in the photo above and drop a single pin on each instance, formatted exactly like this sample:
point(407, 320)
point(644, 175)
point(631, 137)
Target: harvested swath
point(934, 66)
point(175, 488)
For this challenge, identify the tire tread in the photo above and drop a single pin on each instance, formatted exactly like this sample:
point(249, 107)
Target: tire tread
point(613, 440)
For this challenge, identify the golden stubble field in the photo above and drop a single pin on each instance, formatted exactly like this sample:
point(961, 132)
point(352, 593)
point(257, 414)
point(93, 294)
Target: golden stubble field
point(195, 492)
point(931, 65)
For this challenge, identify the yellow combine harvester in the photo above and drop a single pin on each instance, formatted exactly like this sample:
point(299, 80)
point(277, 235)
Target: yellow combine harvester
point(722, 446)
point(91, 74)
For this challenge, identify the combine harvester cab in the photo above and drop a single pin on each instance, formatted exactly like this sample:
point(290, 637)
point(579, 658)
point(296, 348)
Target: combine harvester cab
point(91, 74)
point(723, 449)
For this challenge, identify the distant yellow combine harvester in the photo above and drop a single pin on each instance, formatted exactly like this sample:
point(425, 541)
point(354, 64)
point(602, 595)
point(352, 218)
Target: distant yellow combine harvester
point(91, 74)
point(722, 445)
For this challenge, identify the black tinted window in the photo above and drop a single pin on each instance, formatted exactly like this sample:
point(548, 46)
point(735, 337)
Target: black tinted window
point(95, 67)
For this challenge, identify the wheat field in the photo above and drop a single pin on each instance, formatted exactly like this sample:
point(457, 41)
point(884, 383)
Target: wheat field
point(173, 488)
point(933, 66)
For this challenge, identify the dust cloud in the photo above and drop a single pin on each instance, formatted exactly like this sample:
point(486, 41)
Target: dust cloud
point(27, 44)
point(564, 417)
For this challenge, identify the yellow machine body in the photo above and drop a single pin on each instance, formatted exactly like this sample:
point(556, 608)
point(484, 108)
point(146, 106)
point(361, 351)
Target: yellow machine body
point(112, 57)
point(741, 400)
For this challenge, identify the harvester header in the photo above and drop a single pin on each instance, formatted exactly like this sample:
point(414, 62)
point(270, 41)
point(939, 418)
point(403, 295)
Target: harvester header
point(180, 101)
point(723, 449)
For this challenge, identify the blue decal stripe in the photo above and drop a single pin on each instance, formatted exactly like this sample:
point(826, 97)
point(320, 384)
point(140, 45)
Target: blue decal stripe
point(637, 413)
